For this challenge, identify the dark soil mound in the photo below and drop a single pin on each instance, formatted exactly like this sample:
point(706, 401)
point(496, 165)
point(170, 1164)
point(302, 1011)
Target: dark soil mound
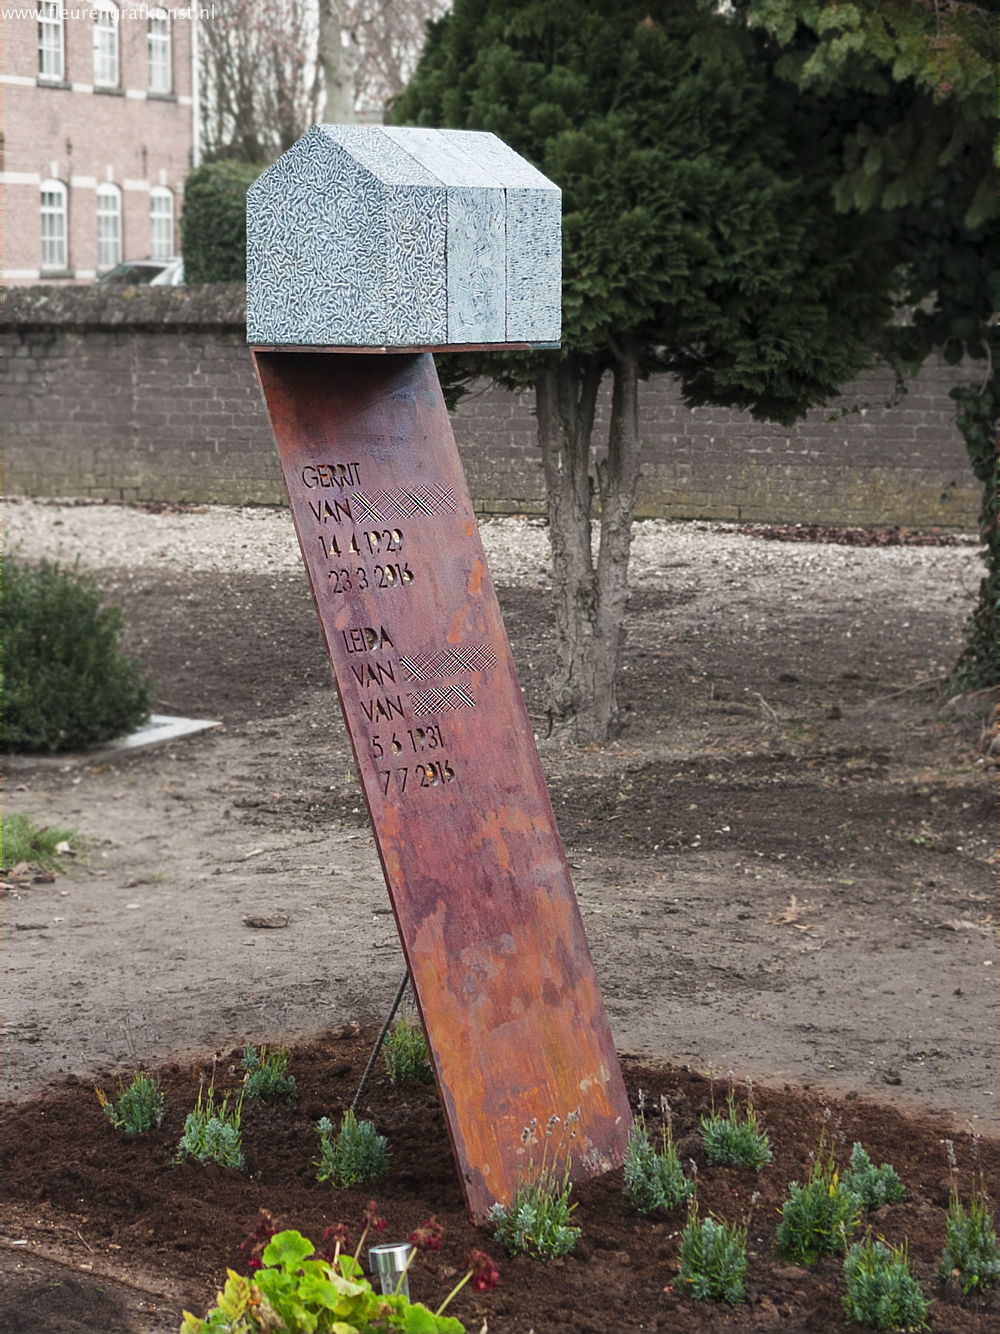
point(109, 1208)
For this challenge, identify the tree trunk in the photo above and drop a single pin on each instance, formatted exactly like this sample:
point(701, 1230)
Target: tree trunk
point(589, 599)
point(337, 64)
point(977, 417)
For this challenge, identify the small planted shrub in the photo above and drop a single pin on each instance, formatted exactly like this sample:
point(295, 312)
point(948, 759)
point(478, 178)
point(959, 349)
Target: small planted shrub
point(405, 1055)
point(267, 1076)
point(713, 1259)
point(21, 840)
point(654, 1178)
point(358, 1154)
point(818, 1218)
point(295, 1289)
point(971, 1255)
point(733, 1140)
point(874, 1186)
point(212, 1134)
point(536, 1222)
point(138, 1108)
point(881, 1291)
point(68, 685)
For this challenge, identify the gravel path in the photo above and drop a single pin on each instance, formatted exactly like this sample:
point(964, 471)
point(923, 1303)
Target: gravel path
point(696, 555)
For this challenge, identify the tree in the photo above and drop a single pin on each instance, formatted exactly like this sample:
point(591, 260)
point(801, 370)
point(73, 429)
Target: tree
point(701, 237)
point(260, 89)
point(922, 151)
point(272, 68)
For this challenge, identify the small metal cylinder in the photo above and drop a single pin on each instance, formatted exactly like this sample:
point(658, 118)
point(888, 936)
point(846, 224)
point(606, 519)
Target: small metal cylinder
point(389, 1262)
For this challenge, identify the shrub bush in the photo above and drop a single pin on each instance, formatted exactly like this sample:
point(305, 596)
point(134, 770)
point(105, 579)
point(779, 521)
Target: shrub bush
point(355, 1156)
point(713, 1259)
point(818, 1218)
point(874, 1186)
point(214, 223)
point(405, 1055)
point(67, 683)
point(654, 1178)
point(971, 1255)
point(881, 1291)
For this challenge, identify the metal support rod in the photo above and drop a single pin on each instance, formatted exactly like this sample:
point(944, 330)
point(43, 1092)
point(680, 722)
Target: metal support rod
point(379, 1040)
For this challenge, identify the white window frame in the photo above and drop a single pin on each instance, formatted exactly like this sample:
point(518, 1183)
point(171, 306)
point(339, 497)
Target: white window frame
point(109, 226)
point(51, 41)
point(159, 52)
point(107, 66)
point(161, 223)
point(54, 210)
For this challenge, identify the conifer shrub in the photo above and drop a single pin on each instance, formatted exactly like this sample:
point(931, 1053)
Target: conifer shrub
point(214, 225)
point(68, 685)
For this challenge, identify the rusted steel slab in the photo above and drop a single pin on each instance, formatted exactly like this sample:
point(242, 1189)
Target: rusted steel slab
point(476, 872)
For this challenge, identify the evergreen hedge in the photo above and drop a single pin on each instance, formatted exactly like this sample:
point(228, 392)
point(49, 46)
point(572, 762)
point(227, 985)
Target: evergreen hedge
point(67, 683)
point(214, 223)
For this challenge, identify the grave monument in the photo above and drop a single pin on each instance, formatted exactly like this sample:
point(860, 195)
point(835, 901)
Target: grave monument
point(368, 249)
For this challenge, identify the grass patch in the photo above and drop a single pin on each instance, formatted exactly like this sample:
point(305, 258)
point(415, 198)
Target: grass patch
point(21, 840)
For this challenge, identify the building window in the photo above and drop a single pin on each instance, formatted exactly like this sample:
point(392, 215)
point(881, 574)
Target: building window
point(109, 227)
point(158, 51)
point(161, 224)
point(105, 44)
point(54, 255)
point(51, 57)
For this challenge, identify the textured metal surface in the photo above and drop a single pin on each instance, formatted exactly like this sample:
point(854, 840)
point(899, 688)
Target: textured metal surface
point(375, 236)
point(475, 868)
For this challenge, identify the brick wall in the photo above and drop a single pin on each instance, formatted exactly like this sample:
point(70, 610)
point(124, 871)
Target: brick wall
point(148, 394)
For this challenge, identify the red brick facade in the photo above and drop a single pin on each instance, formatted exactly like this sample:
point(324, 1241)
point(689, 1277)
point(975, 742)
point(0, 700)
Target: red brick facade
point(98, 113)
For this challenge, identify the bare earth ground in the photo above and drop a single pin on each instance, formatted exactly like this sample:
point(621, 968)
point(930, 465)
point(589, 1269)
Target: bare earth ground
point(786, 867)
point(786, 864)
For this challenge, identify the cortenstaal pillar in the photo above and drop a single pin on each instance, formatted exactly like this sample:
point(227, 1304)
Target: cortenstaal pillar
point(367, 250)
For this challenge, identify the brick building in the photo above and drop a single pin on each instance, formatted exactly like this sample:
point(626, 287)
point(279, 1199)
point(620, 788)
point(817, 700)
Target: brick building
point(99, 105)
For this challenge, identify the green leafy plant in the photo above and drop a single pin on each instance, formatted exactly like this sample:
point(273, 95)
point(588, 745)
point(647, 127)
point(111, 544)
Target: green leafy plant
point(138, 1108)
point(21, 840)
point(212, 1133)
point(267, 1076)
point(67, 683)
point(294, 1290)
point(356, 1155)
point(654, 1178)
point(405, 1055)
point(971, 1255)
point(214, 222)
point(734, 1140)
point(713, 1259)
point(818, 1218)
point(874, 1186)
point(536, 1222)
point(881, 1291)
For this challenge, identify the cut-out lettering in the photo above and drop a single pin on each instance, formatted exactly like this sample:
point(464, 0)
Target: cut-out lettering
point(374, 674)
point(366, 639)
point(384, 708)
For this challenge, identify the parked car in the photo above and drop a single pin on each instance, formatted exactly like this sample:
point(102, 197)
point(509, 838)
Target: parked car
point(155, 272)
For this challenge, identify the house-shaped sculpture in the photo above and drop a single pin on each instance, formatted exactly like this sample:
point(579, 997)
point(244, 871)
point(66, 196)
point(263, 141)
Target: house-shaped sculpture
point(371, 236)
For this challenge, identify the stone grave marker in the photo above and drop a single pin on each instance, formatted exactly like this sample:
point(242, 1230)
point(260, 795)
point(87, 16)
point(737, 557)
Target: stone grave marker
point(368, 249)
